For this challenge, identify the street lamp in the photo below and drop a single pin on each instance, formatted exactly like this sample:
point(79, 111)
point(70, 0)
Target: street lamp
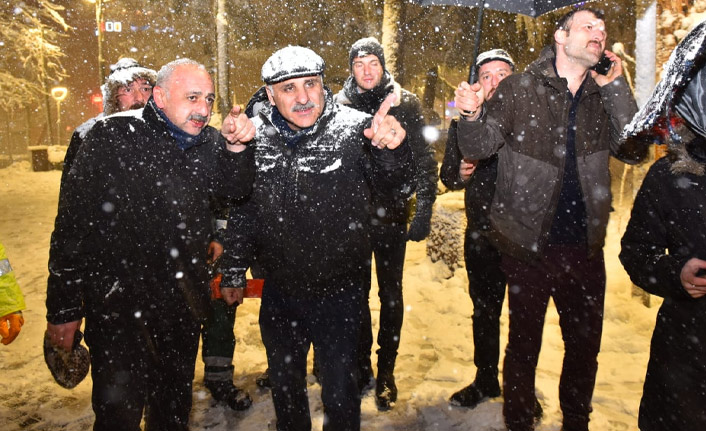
point(59, 94)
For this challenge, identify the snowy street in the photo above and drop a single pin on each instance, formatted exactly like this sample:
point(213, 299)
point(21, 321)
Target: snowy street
point(435, 355)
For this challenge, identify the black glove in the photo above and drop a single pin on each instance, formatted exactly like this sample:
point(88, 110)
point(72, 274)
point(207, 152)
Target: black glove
point(421, 223)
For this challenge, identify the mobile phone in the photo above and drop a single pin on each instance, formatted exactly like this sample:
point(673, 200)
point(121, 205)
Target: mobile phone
point(603, 65)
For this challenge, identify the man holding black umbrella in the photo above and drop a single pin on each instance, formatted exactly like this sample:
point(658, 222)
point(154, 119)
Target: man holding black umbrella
point(554, 128)
point(486, 280)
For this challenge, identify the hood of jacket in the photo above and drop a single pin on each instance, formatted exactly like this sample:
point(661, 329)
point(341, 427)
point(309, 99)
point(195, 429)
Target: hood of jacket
point(121, 79)
point(674, 112)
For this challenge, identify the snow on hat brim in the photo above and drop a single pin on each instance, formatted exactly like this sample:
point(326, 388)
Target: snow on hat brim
point(292, 62)
point(68, 368)
point(495, 54)
point(686, 59)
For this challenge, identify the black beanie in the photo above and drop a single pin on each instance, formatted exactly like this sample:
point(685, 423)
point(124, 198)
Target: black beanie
point(367, 46)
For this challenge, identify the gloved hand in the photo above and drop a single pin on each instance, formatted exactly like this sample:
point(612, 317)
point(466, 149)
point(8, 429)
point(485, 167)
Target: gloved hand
point(10, 325)
point(421, 223)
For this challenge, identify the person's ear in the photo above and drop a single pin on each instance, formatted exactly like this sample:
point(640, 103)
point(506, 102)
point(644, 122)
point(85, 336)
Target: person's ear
point(560, 37)
point(160, 97)
point(269, 95)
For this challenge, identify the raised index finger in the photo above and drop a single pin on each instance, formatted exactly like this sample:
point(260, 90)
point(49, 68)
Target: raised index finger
point(383, 110)
point(235, 110)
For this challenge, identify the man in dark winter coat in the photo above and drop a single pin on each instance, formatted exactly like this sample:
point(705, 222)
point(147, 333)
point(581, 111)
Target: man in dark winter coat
point(307, 220)
point(129, 86)
point(129, 247)
point(554, 128)
point(486, 280)
point(664, 246)
point(365, 90)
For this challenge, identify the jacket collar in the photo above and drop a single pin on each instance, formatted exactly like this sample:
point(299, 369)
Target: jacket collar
point(544, 69)
point(393, 87)
point(687, 151)
point(160, 123)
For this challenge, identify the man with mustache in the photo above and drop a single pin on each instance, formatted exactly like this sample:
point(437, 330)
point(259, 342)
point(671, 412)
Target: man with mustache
point(128, 86)
point(307, 224)
point(554, 128)
point(129, 248)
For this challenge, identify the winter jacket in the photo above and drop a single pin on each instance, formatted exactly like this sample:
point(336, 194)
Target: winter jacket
point(132, 229)
point(75, 143)
point(11, 299)
point(478, 189)
point(666, 229)
point(526, 124)
point(408, 111)
point(307, 218)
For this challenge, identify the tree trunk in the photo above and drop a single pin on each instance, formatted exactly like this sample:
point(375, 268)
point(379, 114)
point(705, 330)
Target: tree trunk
point(222, 59)
point(430, 88)
point(45, 88)
point(372, 18)
point(645, 54)
point(391, 19)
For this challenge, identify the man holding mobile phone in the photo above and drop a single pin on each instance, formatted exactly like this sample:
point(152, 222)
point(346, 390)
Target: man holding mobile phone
point(554, 128)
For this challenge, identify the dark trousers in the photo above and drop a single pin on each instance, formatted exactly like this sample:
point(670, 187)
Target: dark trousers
point(389, 244)
point(219, 342)
point(142, 363)
point(577, 285)
point(331, 322)
point(486, 287)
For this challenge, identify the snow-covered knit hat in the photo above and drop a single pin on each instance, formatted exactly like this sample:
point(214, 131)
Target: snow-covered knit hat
point(495, 54)
point(122, 73)
point(292, 62)
point(364, 47)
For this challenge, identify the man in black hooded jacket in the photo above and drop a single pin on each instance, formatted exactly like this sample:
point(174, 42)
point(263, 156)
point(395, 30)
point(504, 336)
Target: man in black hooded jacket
point(129, 248)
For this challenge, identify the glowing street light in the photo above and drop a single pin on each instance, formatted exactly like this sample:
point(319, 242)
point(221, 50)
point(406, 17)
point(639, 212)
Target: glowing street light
point(59, 94)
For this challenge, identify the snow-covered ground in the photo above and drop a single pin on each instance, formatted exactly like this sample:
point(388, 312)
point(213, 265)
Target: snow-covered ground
point(436, 356)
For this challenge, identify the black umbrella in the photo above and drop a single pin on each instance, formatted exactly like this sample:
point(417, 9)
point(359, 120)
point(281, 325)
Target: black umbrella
point(532, 8)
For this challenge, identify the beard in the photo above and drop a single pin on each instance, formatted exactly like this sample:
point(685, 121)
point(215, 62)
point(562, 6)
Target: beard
point(583, 54)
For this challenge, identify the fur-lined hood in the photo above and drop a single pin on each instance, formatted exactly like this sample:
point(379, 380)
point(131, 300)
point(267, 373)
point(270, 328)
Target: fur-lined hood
point(684, 145)
point(125, 71)
point(674, 114)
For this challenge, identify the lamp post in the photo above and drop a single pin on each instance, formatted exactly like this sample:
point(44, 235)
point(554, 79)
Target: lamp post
point(99, 35)
point(59, 94)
